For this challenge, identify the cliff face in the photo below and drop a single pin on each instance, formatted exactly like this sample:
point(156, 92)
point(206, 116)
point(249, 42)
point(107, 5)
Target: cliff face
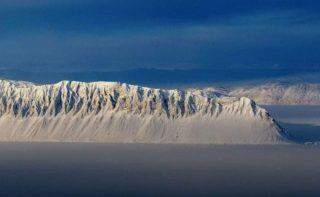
point(115, 112)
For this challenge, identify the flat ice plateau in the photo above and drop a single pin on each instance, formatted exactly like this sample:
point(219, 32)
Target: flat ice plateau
point(122, 113)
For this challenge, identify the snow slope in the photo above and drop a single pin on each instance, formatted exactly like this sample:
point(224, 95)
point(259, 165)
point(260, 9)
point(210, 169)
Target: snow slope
point(306, 94)
point(116, 112)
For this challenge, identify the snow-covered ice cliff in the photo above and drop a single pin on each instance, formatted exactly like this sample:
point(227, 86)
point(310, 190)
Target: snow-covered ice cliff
point(117, 112)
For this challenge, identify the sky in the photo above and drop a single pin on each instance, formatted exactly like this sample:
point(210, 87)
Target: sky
point(107, 35)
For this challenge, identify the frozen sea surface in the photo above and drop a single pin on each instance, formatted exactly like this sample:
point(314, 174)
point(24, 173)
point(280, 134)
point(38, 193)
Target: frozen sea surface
point(90, 169)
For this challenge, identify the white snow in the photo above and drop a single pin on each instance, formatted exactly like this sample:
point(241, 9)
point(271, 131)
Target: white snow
point(306, 94)
point(118, 112)
point(272, 93)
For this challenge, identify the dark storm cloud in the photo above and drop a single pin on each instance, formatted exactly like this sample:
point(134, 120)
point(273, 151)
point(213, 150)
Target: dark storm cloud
point(86, 34)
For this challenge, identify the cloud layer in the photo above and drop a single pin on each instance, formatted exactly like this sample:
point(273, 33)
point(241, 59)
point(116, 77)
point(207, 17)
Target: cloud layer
point(122, 34)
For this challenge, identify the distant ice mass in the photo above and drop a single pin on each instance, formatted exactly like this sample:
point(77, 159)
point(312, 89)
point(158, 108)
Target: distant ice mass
point(121, 113)
point(273, 93)
point(285, 94)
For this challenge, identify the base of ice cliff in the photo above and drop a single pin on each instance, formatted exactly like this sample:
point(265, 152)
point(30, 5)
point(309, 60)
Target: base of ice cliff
point(122, 113)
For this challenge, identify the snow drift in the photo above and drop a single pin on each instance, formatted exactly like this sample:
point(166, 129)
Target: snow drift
point(115, 112)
